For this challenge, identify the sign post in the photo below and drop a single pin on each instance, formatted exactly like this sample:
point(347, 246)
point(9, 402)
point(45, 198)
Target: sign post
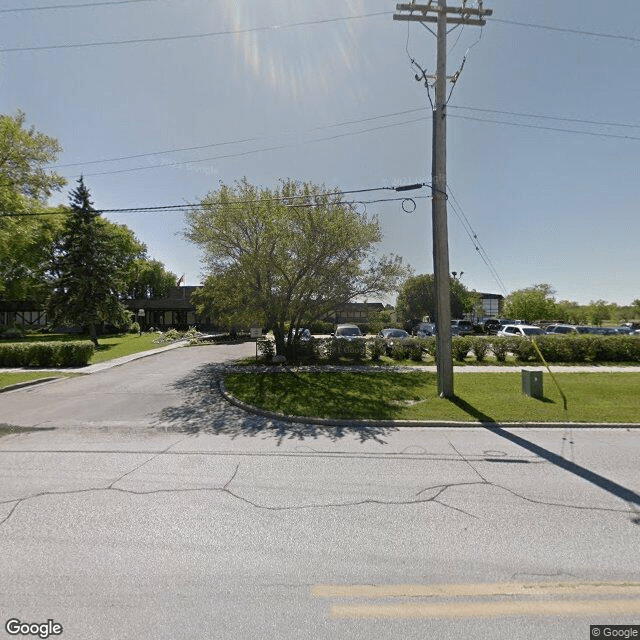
point(256, 332)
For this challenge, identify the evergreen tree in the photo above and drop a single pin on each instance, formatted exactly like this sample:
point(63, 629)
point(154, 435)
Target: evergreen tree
point(87, 271)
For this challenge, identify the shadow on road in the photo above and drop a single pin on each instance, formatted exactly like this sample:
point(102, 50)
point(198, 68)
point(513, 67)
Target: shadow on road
point(204, 410)
point(586, 474)
point(629, 496)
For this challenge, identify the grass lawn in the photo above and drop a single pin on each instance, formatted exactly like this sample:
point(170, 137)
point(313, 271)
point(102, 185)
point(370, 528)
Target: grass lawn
point(7, 379)
point(123, 345)
point(492, 397)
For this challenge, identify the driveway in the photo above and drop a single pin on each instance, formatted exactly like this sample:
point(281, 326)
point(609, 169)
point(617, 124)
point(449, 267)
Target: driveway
point(146, 507)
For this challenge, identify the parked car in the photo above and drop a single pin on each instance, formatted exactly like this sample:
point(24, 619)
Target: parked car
point(526, 330)
point(561, 329)
point(491, 325)
point(301, 335)
point(425, 329)
point(350, 340)
point(347, 332)
point(461, 327)
point(391, 337)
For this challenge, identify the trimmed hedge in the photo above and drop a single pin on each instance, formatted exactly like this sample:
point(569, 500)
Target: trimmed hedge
point(560, 348)
point(46, 354)
point(570, 348)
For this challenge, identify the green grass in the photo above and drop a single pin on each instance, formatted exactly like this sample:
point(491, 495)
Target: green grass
point(123, 345)
point(7, 379)
point(491, 397)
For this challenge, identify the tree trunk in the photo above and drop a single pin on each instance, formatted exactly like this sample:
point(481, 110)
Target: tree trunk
point(93, 334)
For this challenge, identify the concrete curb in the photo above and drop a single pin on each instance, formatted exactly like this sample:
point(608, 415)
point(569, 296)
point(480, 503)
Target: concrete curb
point(395, 424)
point(29, 383)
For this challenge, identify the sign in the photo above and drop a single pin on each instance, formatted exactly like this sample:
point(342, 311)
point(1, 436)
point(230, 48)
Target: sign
point(256, 332)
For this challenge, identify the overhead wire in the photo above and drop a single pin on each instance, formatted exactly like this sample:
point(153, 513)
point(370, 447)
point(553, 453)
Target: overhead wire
point(597, 134)
point(239, 141)
point(581, 32)
point(226, 32)
point(473, 236)
point(251, 151)
point(171, 208)
point(73, 6)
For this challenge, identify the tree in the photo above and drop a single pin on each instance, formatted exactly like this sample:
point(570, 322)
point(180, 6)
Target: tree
point(89, 267)
point(416, 298)
point(532, 303)
point(286, 255)
point(598, 311)
point(25, 185)
point(148, 279)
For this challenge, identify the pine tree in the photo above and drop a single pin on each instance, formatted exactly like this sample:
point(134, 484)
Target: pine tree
point(86, 271)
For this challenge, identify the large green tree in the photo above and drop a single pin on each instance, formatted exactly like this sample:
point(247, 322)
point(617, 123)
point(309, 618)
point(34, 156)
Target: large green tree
point(532, 303)
point(89, 268)
point(287, 255)
point(416, 298)
point(25, 186)
point(148, 278)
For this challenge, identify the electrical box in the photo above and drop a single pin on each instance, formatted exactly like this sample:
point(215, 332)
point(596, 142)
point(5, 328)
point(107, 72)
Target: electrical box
point(532, 383)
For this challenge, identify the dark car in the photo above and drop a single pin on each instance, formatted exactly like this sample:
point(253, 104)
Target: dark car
point(392, 336)
point(461, 327)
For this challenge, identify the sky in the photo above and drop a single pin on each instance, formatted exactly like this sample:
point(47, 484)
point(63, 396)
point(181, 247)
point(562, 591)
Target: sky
point(543, 131)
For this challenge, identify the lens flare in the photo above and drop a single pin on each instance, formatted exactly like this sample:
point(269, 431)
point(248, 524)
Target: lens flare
point(301, 60)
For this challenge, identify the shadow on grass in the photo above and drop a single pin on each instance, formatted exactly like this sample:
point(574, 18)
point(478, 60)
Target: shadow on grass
point(339, 395)
point(204, 410)
point(472, 411)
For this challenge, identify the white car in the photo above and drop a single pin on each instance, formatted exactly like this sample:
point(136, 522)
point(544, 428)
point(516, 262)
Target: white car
point(525, 330)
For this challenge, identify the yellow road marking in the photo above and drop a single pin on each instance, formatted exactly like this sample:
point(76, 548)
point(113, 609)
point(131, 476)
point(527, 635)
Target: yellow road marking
point(552, 608)
point(472, 590)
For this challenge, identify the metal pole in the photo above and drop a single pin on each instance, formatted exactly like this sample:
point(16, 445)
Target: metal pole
point(439, 212)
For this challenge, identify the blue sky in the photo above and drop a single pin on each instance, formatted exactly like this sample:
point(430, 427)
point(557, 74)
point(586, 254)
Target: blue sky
point(551, 198)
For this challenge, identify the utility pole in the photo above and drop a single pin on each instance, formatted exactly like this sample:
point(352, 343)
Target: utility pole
point(442, 16)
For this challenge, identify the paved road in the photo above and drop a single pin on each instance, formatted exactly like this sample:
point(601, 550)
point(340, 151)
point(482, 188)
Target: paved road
point(147, 507)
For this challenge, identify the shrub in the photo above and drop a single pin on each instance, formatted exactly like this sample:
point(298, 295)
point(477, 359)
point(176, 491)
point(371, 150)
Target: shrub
point(522, 348)
point(400, 350)
point(376, 348)
point(415, 350)
point(46, 354)
point(500, 348)
point(429, 345)
point(460, 346)
point(480, 348)
point(13, 332)
point(134, 327)
point(266, 348)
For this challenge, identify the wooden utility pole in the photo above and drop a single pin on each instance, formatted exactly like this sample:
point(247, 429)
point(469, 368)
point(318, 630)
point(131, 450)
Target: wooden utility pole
point(442, 16)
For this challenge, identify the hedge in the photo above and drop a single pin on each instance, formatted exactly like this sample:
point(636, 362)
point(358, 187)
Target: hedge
point(46, 354)
point(560, 348)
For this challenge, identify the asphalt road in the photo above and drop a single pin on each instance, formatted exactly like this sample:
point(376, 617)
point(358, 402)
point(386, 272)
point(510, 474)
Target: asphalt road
point(144, 506)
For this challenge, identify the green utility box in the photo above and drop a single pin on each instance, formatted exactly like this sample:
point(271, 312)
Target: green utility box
point(532, 383)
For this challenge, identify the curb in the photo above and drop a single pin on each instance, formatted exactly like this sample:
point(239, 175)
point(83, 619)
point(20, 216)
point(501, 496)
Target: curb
point(389, 424)
point(29, 383)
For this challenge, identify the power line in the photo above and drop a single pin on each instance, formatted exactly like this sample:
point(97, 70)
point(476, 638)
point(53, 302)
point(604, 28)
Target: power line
point(72, 6)
point(580, 32)
point(548, 117)
point(473, 236)
point(249, 152)
point(212, 34)
point(171, 208)
point(239, 141)
point(561, 130)
point(351, 122)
